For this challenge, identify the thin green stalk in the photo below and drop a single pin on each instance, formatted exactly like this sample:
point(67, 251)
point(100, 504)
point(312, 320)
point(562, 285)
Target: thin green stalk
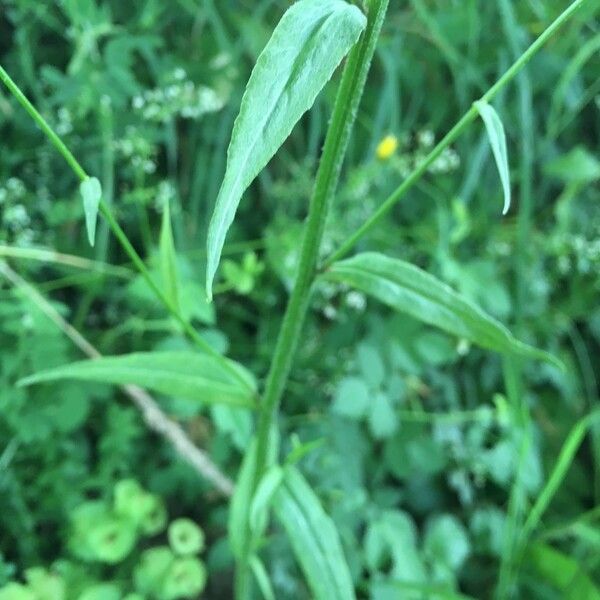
point(470, 116)
point(116, 228)
point(526, 141)
point(336, 144)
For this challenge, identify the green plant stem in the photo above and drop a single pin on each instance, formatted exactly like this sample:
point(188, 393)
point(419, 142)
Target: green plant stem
point(470, 116)
point(336, 144)
point(116, 228)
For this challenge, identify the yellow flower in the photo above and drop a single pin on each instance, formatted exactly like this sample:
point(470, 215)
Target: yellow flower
point(387, 147)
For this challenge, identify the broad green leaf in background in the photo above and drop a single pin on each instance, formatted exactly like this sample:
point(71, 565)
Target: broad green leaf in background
point(352, 398)
point(168, 258)
point(497, 137)
point(394, 534)
point(306, 47)
point(577, 166)
point(417, 293)
point(184, 374)
point(91, 192)
point(314, 539)
point(446, 541)
point(239, 507)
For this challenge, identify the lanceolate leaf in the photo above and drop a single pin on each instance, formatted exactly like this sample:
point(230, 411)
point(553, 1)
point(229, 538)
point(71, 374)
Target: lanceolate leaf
point(306, 47)
point(413, 291)
point(497, 137)
point(91, 192)
point(314, 539)
point(168, 258)
point(184, 374)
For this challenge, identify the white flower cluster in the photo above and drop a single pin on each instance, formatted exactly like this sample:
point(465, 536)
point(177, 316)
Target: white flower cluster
point(578, 253)
point(14, 218)
point(138, 150)
point(165, 195)
point(448, 161)
point(180, 98)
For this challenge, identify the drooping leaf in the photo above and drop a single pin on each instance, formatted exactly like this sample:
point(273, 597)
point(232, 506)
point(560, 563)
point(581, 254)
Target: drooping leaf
point(314, 539)
point(306, 47)
point(411, 290)
point(184, 374)
point(497, 137)
point(168, 258)
point(91, 192)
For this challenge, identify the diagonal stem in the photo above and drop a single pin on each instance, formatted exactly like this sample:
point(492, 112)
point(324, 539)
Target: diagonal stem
point(116, 228)
point(470, 116)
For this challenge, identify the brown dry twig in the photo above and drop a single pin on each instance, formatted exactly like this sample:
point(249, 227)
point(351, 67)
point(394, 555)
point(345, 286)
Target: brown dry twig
point(152, 414)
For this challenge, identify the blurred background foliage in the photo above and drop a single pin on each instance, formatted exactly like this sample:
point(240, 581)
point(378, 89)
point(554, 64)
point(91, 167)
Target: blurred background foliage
point(420, 441)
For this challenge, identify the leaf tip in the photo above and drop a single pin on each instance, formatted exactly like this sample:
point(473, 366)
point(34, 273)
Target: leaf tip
point(91, 192)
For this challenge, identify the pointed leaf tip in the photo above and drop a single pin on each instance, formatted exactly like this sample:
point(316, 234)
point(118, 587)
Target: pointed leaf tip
point(497, 137)
point(91, 192)
point(306, 47)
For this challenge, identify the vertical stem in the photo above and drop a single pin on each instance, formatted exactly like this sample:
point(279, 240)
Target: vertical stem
point(336, 144)
point(338, 136)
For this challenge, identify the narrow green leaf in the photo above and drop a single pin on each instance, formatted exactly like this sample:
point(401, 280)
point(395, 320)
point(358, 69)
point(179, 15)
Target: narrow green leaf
point(314, 539)
point(240, 503)
point(186, 374)
point(497, 137)
point(263, 497)
point(91, 192)
point(563, 463)
point(262, 578)
point(306, 47)
point(563, 572)
point(168, 258)
point(417, 293)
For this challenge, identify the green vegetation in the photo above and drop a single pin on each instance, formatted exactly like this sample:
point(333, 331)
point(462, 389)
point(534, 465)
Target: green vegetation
point(333, 395)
